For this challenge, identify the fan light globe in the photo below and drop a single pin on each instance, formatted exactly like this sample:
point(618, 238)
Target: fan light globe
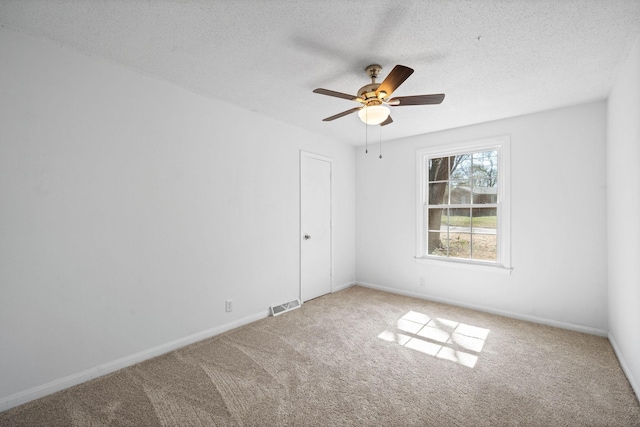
point(374, 114)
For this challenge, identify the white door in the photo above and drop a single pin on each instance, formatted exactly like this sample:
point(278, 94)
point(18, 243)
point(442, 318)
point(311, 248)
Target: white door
point(315, 226)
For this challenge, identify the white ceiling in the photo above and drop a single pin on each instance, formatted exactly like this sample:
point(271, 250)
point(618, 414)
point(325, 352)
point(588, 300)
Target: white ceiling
point(268, 56)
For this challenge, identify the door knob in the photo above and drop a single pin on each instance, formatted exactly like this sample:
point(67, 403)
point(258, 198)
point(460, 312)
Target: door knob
point(307, 237)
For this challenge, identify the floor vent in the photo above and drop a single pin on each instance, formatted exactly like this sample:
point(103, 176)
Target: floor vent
point(283, 308)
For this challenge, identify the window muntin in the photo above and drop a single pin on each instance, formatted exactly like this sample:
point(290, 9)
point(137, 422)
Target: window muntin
point(462, 194)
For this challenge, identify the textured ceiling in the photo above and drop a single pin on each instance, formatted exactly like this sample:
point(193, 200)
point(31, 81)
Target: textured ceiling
point(268, 56)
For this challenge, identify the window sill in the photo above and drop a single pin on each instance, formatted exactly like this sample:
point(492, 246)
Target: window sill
point(466, 265)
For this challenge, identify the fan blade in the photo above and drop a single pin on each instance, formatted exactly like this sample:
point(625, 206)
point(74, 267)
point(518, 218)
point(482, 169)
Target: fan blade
point(334, 93)
point(386, 122)
point(344, 113)
point(417, 100)
point(396, 77)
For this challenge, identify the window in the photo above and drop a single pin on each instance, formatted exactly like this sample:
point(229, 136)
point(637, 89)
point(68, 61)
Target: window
point(463, 210)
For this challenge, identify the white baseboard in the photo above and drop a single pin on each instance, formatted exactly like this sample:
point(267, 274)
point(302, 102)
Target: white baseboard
point(513, 315)
point(625, 368)
point(343, 286)
point(109, 367)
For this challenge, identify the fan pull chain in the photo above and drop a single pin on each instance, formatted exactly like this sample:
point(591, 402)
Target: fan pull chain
point(380, 142)
point(366, 132)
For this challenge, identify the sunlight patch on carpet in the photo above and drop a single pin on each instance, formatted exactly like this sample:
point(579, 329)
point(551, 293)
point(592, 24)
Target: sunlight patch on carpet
point(442, 338)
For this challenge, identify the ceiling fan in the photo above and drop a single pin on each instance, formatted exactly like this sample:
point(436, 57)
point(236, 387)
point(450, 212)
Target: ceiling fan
point(374, 97)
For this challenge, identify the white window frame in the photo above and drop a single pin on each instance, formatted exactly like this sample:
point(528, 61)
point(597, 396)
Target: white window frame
point(501, 144)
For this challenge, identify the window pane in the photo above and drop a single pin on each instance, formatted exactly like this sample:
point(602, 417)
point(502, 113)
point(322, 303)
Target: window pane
point(460, 193)
point(439, 169)
point(485, 191)
point(439, 193)
point(485, 247)
point(461, 167)
point(460, 220)
point(437, 243)
point(485, 165)
point(438, 219)
point(460, 245)
point(484, 220)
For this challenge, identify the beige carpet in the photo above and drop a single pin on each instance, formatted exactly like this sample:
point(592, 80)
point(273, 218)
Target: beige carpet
point(366, 358)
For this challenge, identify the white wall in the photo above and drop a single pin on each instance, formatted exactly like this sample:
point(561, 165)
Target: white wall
point(623, 211)
point(558, 220)
point(130, 211)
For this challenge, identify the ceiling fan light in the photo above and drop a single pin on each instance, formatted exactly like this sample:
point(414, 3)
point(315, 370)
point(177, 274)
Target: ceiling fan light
point(374, 114)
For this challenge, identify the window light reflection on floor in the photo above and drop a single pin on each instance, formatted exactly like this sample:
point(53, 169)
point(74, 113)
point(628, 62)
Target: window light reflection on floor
point(442, 338)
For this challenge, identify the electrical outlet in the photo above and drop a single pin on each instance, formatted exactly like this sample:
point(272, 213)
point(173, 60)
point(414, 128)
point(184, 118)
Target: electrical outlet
point(423, 282)
point(228, 305)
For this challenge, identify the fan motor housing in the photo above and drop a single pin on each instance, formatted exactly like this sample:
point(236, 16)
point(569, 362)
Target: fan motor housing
point(368, 92)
